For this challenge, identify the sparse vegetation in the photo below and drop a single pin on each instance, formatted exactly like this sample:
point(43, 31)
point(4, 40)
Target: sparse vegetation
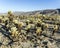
point(33, 27)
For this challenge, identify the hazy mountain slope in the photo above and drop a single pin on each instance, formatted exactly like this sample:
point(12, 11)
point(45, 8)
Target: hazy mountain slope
point(47, 11)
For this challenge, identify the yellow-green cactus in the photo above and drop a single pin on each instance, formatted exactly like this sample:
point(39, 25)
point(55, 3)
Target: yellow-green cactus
point(20, 24)
point(15, 21)
point(27, 22)
point(38, 31)
point(28, 27)
point(14, 32)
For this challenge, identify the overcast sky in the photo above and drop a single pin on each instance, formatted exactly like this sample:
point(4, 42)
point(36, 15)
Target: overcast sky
point(28, 5)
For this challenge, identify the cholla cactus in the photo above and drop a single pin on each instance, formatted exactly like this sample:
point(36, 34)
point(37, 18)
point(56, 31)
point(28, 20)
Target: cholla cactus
point(39, 20)
point(43, 23)
point(1, 18)
point(14, 32)
point(38, 31)
point(27, 22)
point(31, 20)
point(38, 23)
point(43, 26)
point(4, 19)
point(46, 25)
point(15, 21)
point(10, 13)
point(55, 29)
point(10, 16)
point(28, 27)
point(20, 24)
point(13, 29)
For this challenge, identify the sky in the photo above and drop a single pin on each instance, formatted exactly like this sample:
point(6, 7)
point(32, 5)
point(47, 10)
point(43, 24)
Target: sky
point(28, 5)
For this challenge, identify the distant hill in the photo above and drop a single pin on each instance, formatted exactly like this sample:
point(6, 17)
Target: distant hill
point(47, 11)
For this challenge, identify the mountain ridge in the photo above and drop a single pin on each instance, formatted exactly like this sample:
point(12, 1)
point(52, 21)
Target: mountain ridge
point(47, 11)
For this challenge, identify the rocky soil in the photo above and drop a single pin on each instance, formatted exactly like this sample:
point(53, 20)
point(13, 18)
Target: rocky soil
point(31, 41)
